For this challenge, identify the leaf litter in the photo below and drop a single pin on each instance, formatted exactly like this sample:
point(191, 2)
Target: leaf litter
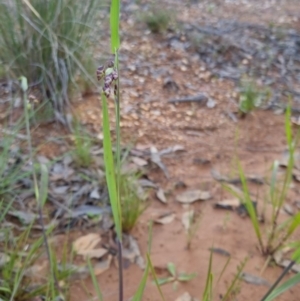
point(86, 246)
point(187, 219)
point(191, 196)
point(165, 219)
point(252, 279)
point(160, 194)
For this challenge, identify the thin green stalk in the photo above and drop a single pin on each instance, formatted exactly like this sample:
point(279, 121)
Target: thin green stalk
point(24, 87)
point(115, 44)
point(235, 279)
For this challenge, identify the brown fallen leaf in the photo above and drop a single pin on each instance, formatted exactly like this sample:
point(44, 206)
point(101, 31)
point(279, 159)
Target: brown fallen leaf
point(101, 267)
point(220, 251)
point(283, 262)
point(139, 161)
point(155, 158)
point(171, 149)
point(254, 279)
point(185, 297)
point(165, 219)
point(229, 204)
point(160, 194)
point(86, 243)
point(222, 178)
point(288, 209)
point(133, 245)
point(191, 196)
point(95, 253)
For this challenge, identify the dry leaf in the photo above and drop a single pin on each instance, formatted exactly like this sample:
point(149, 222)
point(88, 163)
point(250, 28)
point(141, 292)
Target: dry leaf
point(220, 251)
point(139, 260)
point(139, 161)
point(229, 204)
point(86, 243)
point(95, 253)
point(185, 297)
point(288, 209)
point(161, 195)
point(165, 219)
point(171, 149)
point(187, 219)
point(254, 279)
point(155, 158)
point(101, 267)
point(129, 254)
point(191, 196)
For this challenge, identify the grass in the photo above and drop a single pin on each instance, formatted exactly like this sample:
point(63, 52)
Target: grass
point(251, 96)
point(157, 20)
point(193, 226)
point(82, 146)
point(279, 233)
point(131, 203)
point(10, 174)
point(44, 42)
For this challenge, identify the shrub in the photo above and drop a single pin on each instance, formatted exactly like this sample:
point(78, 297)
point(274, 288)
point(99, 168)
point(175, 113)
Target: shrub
point(44, 41)
point(157, 20)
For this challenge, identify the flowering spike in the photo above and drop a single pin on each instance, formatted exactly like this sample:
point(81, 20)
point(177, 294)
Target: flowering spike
point(110, 64)
point(100, 72)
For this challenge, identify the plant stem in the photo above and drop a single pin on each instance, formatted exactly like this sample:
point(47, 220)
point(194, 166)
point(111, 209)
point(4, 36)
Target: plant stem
point(120, 262)
point(118, 153)
point(285, 271)
point(36, 189)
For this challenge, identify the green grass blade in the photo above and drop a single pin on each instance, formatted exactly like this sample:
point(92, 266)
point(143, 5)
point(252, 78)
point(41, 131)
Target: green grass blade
point(288, 128)
point(224, 268)
point(171, 268)
point(114, 25)
point(44, 185)
point(294, 225)
point(110, 170)
point(273, 184)
point(208, 285)
point(250, 208)
point(235, 279)
point(94, 280)
point(156, 281)
point(140, 291)
point(284, 287)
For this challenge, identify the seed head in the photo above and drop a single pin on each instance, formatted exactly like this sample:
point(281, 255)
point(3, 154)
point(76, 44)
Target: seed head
point(100, 72)
point(106, 90)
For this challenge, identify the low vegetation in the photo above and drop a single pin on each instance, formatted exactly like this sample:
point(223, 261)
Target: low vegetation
point(44, 43)
point(157, 20)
